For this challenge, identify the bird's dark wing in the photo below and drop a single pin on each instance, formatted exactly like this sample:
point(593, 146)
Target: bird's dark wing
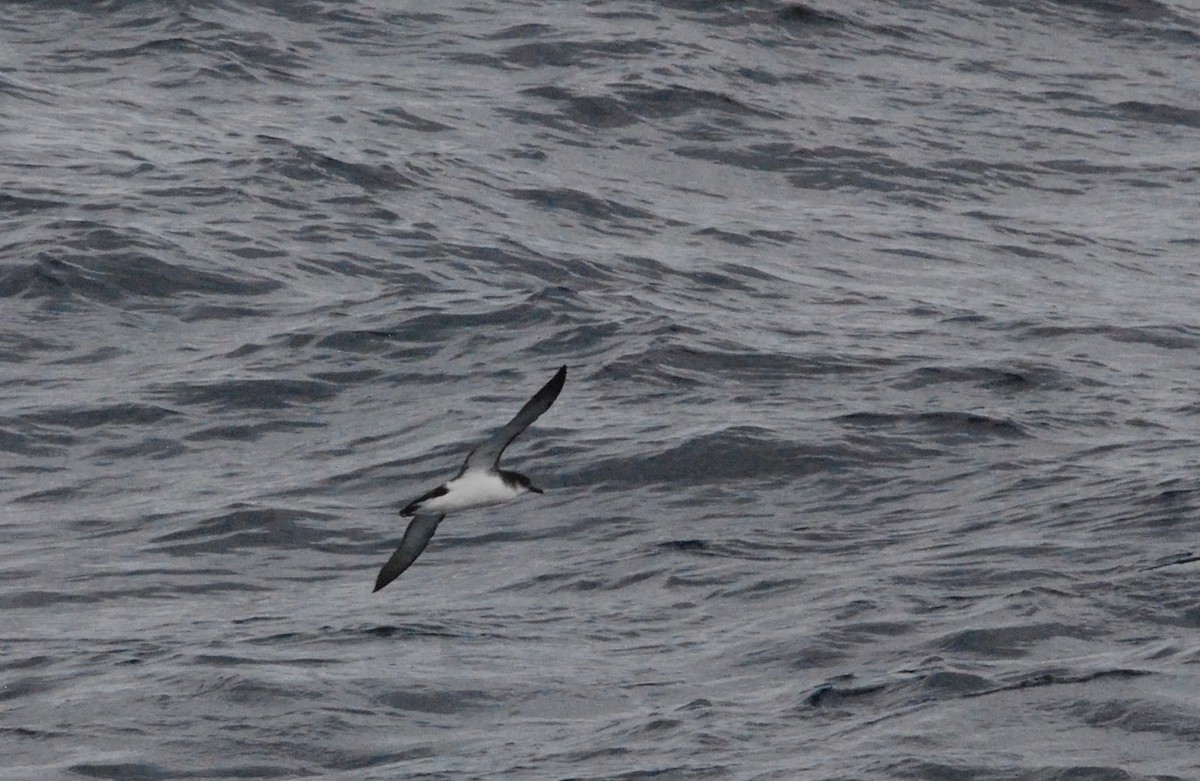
point(414, 507)
point(416, 537)
point(488, 453)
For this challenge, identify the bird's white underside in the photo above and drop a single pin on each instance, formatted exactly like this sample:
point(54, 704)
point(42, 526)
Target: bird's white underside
point(476, 488)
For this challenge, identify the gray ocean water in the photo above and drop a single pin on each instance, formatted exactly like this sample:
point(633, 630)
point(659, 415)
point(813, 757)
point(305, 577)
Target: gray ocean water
point(877, 457)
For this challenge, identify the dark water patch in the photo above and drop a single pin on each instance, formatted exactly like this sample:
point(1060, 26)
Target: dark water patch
point(31, 733)
point(248, 432)
point(946, 426)
point(799, 17)
point(677, 100)
point(123, 414)
point(664, 771)
point(202, 312)
point(1010, 642)
point(185, 570)
point(154, 47)
point(767, 588)
point(742, 542)
point(215, 196)
point(575, 758)
point(703, 283)
point(540, 581)
point(549, 281)
point(1158, 113)
point(19, 687)
point(730, 279)
point(410, 630)
point(522, 31)
point(1058, 678)
point(154, 448)
point(841, 696)
point(173, 586)
point(51, 495)
point(125, 771)
point(1160, 600)
point(93, 356)
point(1076, 166)
point(16, 347)
point(442, 702)
point(588, 110)
point(302, 163)
point(990, 173)
point(41, 598)
point(269, 528)
point(691, 546)
point(699, 579)
point(1017, 378)
point(232, 661)
point(398, 117)
point(1139, 718)
point(247, 690)
point(607, 583)
point(747, 365)
point(659, 728)
point(1176, 560)
point(110, 276)
point(436, 328)
point(584, 340)
point(27, 663)
point(349, 377)
point(976, 570)
point(852, 634)
point(32, 443)
point(836, 168)
point(1168, 337)
point(1122, 9)
point(945, 684)
point(904, 691)
point(574, 53)
point(1090, 773)
point(359, 341)
point(19, 90)
point(260, 394)
point(766, 157)
point(1023, 251)
point(926, 770)
point(733, 454)
point(1154, 509)
point(581, 203)
point(730, 237)
point(14, 205)
point(136, 771)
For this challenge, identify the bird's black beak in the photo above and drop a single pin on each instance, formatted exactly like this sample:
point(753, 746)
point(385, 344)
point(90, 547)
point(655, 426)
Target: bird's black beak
point(536, 490)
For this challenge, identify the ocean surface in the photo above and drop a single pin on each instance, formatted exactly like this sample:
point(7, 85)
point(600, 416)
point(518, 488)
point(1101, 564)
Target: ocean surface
point(877, 456)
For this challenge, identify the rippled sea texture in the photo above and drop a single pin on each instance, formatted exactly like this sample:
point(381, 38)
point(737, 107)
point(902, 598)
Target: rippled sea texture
point(876, 459)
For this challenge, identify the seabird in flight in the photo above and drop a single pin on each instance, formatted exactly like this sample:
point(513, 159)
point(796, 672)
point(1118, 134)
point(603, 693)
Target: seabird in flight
point(479, 483)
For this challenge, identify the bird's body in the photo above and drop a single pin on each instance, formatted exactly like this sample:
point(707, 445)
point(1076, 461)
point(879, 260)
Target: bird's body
point(473, 488)
point(479, 483)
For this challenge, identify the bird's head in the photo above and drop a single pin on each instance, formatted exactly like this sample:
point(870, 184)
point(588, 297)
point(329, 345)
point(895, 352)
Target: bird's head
point(522, 483)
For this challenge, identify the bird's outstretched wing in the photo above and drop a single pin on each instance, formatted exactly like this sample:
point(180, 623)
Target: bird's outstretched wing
point(488, 454)
point(416, 537)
